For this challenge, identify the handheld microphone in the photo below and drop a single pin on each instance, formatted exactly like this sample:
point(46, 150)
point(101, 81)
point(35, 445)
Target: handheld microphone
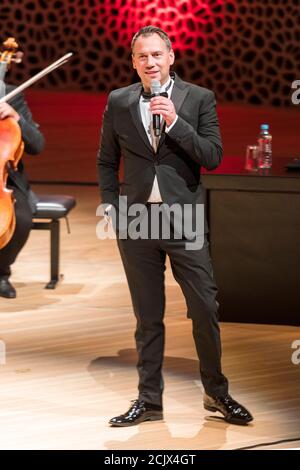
point(155, 90)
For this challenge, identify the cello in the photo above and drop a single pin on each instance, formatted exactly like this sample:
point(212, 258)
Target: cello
point(11, 144)
point(11, 148)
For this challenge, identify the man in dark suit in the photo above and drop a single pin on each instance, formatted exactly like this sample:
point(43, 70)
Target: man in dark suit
point(161, 172)
point(24, 198)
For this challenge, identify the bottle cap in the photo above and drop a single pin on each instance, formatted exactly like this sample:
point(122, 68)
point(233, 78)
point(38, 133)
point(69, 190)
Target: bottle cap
point(264, 127)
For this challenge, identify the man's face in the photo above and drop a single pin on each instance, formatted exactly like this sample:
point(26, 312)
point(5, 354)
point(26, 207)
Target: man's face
point(152, 59)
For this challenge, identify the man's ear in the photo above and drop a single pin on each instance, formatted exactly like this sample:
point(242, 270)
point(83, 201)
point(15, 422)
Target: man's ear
point(133, 61)
point(172, 57)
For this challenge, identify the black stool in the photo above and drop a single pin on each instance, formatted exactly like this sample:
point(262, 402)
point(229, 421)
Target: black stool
point(52, 207)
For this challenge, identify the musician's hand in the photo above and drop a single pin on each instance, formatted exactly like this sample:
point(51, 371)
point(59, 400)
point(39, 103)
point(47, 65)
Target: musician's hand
point(7, 111)
point(165, 107)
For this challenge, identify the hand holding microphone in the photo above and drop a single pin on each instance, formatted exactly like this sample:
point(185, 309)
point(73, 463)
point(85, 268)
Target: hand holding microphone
point(160, 105)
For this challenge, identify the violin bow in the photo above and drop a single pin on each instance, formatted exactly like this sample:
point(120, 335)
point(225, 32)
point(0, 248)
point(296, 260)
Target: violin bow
point(36, 77)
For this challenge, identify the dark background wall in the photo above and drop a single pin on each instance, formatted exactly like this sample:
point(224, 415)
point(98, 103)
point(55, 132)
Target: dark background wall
point(247, 51)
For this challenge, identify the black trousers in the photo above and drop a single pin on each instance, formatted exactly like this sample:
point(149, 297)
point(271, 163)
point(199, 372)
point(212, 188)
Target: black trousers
point(144, 264)
point(9, 253)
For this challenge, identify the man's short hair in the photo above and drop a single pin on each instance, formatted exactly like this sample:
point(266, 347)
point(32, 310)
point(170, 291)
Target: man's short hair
point(148, 31)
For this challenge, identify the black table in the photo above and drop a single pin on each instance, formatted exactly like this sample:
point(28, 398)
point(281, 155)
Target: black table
point(254, 221)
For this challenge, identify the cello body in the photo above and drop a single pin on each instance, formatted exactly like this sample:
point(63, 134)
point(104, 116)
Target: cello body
point(11, 150)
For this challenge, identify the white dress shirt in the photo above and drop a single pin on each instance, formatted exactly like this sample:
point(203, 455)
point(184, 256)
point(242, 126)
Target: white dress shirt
point(146, 115)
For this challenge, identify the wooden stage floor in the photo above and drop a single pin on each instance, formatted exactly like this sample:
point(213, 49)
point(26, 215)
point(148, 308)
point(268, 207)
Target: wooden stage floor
point(70, 357)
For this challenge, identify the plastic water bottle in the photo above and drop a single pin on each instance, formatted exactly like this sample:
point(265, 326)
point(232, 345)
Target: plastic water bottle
point(264, 147)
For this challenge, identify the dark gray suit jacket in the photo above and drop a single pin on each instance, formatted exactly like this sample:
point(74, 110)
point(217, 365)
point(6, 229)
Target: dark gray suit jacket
point(194, 141)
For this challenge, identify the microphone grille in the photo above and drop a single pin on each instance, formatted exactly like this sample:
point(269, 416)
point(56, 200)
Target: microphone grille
point(155, 87)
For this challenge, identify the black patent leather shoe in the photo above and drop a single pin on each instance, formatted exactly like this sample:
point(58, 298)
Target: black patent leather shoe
point(138, 412)
point(232, 411)
point(7, 290)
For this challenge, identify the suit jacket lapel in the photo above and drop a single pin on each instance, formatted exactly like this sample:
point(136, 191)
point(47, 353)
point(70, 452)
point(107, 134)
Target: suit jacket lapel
point(178, 95)
point(134, 99)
